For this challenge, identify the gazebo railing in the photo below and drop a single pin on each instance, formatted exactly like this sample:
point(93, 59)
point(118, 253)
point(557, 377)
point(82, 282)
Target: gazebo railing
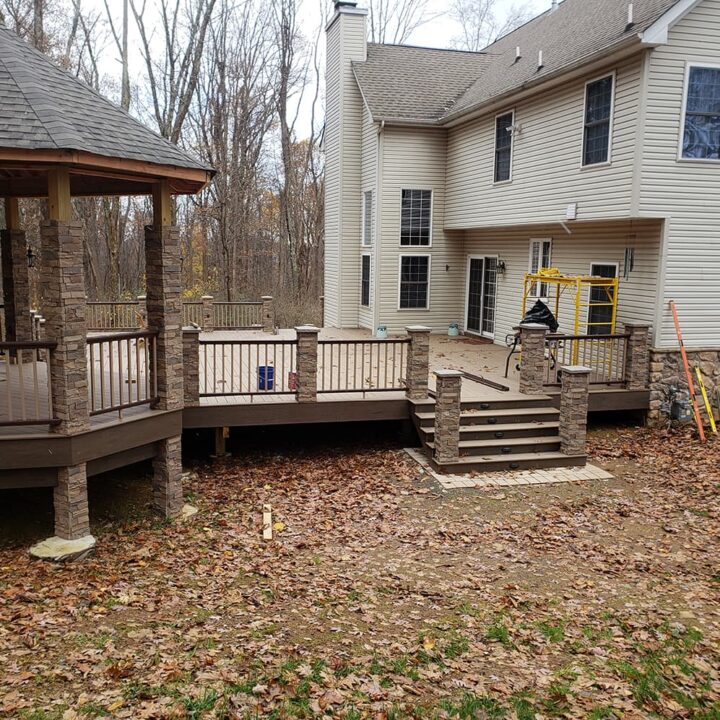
point(25, 383)
point(121, 371)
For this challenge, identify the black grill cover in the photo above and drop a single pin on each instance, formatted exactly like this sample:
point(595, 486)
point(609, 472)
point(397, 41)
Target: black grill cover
point(541, 314)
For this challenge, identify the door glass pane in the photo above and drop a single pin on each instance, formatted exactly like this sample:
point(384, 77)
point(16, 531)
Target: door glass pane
point(475, 295)
point(600, 315)
point(489, 294)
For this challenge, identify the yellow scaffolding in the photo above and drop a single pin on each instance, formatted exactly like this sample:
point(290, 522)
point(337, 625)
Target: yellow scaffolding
point(579, 289)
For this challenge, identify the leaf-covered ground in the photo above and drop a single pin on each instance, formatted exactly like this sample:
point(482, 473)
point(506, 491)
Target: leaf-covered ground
point(383, 597)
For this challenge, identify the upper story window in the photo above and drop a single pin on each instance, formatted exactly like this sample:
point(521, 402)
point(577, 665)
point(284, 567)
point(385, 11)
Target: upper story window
point(416, 217)
point(503, 146)
point(367, 233)
point(598, 120)
point(701, 135)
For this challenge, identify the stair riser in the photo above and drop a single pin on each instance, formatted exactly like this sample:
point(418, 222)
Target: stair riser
point(550, 446)
point(522, 417)
point(486, 432)
point(505, 404)
point(504, 465)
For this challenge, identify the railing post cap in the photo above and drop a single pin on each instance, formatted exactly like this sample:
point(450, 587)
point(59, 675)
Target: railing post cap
point(307, 329)
point(575, 370)
point(141, 297)
point(206, 297)
point(418, 329)
point(535, 327)
point(446, 373)
point(191, 330)
point(637, 325)
point(266, 297)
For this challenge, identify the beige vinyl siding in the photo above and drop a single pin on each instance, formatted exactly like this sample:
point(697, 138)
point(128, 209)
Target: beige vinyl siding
point(687, 192)
point(415, 159)
point(573, 255)
point(547, 172)
point(369, 172)
point(343, 146)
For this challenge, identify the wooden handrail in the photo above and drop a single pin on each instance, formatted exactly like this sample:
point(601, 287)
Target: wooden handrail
point(122, 336)
point(29, 345)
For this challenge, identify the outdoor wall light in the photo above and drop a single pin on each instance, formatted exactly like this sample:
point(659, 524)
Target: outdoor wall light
point(31, 258)
point(501, 267)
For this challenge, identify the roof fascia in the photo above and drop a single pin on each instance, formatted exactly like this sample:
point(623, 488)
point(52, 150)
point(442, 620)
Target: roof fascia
point(585, 66)
point(657, 33)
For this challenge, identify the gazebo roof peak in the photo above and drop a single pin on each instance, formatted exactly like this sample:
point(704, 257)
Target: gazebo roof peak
point(49, 117)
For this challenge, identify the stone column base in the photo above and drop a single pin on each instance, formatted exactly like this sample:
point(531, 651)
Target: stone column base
point(57, 549)
point(167, 478)
point(72, 515)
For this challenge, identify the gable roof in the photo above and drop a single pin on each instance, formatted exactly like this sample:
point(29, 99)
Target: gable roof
point(410, 83)
point(45, 108)
point(574, 32)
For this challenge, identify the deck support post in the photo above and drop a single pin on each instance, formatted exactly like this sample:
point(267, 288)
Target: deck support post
point(167, 478)
point(208, 313)
point(637, 359)
point(62, 285)
point(191, 366)
point(448, 389)
point(574, 399)
point(268, 313)
point(307, 363)
point(532, 362)
point(220, 443)
point(418, 362)
point(72, 514)
point(15, 276)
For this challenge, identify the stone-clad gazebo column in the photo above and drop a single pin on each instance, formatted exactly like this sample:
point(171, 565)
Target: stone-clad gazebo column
point(164, 315)
point(15, 276)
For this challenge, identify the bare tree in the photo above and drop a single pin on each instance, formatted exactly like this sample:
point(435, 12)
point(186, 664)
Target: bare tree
point(394, 21)
point(481, 22)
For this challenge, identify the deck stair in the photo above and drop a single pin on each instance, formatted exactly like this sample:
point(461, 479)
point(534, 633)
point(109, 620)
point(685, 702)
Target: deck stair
point(500, 435)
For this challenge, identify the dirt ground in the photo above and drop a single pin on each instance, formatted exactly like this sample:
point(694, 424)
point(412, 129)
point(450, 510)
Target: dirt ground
point(381, 596)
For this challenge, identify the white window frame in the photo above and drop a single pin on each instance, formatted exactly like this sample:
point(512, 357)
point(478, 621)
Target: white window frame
point(537, 295)
point(616, 265)
point(432, 217)
point(366, 254)
point(427, 300)
point(686, 89)
point(611, 126)
point(512, 147)
point(365, 218)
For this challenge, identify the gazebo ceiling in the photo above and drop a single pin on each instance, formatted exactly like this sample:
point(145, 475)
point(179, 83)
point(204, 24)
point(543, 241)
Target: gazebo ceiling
point(48, 118)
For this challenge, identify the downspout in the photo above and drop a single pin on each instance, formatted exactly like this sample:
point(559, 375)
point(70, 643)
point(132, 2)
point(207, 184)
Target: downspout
point(377, 250)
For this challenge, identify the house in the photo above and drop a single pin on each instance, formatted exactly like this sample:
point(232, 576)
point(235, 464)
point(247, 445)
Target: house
point(586, 140)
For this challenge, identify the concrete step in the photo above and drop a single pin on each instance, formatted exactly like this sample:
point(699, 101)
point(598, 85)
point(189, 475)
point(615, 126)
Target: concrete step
point(509, 447)
point(500, 463)
point(499, 432)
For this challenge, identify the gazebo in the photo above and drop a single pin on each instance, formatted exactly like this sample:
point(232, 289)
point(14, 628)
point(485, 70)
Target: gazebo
point(59, 140)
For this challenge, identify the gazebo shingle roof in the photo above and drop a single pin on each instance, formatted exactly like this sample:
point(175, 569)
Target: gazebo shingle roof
point(45, 108)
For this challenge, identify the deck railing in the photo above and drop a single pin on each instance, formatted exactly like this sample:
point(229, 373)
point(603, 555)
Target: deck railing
point(604, 354)
point(237, 315)
point(362, 365)
point(25, 389)
point(121, 371)
point(123, 315)
point(247, 367)
point(192, 313)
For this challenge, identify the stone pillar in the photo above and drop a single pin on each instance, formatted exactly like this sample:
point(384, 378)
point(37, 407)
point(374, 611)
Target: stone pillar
point(532, 363)
point(164, 311)
point(62, 285)
point(637, 359)
point(448, 388)
point(191, 366)
point(418, 362)
point(208, 313)
point(307, 361)
point(268, 313)
point(142, 311)
point(16, 286)
point(167, 478)
point(72, 515)
point(574, 398)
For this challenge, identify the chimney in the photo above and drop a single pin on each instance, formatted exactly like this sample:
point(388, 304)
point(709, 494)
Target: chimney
point(630, 18)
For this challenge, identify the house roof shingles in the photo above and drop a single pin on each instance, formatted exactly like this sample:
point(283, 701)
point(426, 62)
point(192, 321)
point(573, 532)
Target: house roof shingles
point(416, 84)
point(44, 108)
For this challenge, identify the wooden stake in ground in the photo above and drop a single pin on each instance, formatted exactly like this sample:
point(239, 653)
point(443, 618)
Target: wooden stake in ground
point(267, 522)
point(688, 374)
